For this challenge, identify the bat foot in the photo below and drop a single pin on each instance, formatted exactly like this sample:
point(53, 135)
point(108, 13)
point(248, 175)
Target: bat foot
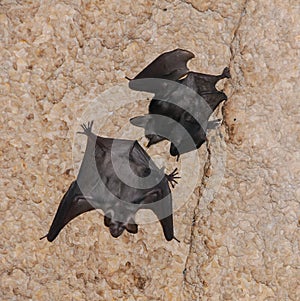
point(87, 129)
point(172, 177)
point(226, 73)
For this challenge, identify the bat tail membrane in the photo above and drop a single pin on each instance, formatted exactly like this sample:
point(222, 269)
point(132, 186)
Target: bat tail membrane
point(71, 205)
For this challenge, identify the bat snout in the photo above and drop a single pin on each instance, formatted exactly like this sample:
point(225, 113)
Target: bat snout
point(116, 229)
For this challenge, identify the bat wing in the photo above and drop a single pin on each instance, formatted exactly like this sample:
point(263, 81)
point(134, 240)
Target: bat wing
point(204, 85)
point(163, 210)
point(71, 205)
point(167, 225)
point(159, 200)
point(213, 100)
point(169, 65)
point(97, 178)
point(139, 157)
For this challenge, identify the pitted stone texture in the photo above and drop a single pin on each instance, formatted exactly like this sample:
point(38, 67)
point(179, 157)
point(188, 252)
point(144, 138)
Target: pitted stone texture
point(241, 243)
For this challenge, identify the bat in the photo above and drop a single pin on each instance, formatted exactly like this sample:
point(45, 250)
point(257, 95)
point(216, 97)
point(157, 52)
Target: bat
point(119, 177)
point(186, 99)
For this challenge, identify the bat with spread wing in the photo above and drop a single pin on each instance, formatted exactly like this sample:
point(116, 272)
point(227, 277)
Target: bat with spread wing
point(119, 177)
point(186, 99)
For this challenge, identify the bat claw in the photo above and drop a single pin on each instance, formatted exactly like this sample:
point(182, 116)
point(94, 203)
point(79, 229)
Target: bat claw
point(176, 239)
point(87, 129)
point(172, 177)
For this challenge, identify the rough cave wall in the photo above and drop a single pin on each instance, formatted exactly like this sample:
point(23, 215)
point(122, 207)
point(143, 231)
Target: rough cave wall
point(239, 227)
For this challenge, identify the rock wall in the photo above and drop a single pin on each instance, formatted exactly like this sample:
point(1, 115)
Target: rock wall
point(237, 209)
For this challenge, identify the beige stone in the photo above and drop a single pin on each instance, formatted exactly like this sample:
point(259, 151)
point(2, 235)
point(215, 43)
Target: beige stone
point(237, 209)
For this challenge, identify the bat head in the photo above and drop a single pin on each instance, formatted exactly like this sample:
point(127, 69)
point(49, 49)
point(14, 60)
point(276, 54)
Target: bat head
point(116, 228)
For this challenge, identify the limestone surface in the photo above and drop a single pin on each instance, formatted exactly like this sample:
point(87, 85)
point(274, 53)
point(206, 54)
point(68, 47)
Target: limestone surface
point(237, 204)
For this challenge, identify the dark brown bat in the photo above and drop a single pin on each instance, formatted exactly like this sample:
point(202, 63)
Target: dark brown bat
point(120, 178)
point(187, 102)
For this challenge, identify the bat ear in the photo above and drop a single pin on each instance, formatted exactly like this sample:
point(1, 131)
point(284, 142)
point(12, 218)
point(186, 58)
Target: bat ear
point(107, 220)
point(131, 226)
point(140, 121)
